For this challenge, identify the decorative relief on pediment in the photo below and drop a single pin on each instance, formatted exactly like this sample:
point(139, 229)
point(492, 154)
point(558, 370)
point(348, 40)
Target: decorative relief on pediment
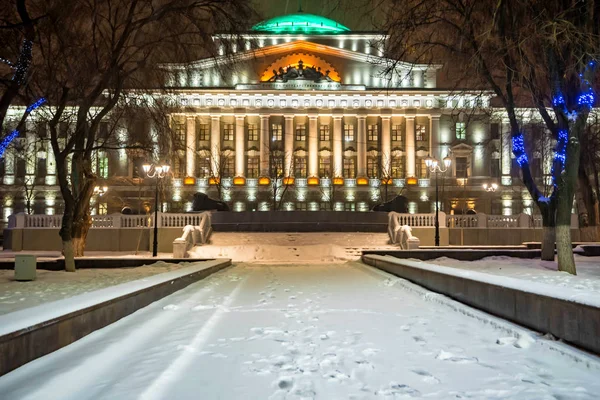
point(300, 66)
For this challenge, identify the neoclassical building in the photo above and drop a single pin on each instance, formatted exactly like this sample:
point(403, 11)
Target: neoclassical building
point(304, 103)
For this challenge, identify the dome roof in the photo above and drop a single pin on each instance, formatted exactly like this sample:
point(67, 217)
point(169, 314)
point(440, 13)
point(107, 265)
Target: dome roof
point(301, 23)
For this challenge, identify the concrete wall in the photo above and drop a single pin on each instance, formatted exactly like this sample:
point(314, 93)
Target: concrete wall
point(573, 322)
point(498, 236)
point(98, 239)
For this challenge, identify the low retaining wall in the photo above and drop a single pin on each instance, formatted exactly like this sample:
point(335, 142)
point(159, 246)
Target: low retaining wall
point(32, 333)
point(498, 236)
point(526, 303)
point(458, 254)
point(103, 262)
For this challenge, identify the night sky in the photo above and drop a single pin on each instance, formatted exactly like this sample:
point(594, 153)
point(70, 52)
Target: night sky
point(355, 14)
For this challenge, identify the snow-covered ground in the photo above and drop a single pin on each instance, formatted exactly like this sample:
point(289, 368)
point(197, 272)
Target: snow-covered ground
point(339, 331)
point(56, 285)
point(586, 280)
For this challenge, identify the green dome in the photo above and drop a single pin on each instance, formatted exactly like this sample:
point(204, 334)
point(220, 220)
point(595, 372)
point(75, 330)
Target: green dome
point(301, 23)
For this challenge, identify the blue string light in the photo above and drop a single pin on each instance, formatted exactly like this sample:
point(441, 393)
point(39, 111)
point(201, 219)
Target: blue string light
point(558, 100)
point(518, 145)
point(587, 99)
point(36, 105)
point(7, 140)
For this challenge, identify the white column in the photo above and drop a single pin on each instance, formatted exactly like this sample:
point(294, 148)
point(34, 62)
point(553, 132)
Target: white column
point(123, 161)
point(50, 165)
point(506, 150)
point(434, 139)
point(386, 146)
point(361, 145)
point(264, 145)
point(239, 145)
point(410, 146)
point(289, 144)
point(190, 147)
point(337, 147)
point(313, 146)
point(9, 167)
point(215, 143)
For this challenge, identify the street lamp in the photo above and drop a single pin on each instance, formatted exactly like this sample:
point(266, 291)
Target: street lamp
point(100, 190)
point(433, 166)
point(490, 188)
point(158, 172)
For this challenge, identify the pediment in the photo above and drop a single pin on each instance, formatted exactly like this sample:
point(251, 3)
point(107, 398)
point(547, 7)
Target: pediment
point(461, 148)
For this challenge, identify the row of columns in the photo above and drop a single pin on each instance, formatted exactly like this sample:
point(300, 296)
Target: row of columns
point(313, 144)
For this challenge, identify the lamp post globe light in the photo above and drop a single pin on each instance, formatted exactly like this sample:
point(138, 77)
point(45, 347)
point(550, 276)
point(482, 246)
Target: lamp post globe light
point(434, 166)
point(158, 172)
point(490, 188)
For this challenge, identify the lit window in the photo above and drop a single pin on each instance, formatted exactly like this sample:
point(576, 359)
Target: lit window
point(398, 167)
point(372, 167)
point(348, 132)
point(324, 166)
point(349, 207)
point(103, 166)
point(324, 133)
point(252, 133)
point(228, 167)
point(300, 167)
point(420, 132)
point(397, 133)
point(276, 167)
point(301, 133)
point(461, 167)
point(372, 133)
point(179, 139)
point(253, 163)
point(203, 164)
point(228, 132)
point(461, 131)
point(423, 170)
point(277, 132)
point(203, 132)
point(349, 168)
point(102, 209)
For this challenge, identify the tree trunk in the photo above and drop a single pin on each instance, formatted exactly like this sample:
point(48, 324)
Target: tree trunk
point(69, 255)
point(548, 240)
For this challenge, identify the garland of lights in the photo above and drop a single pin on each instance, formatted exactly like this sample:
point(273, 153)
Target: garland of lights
point(518, 145)
point(11, 136)
point(24, 62)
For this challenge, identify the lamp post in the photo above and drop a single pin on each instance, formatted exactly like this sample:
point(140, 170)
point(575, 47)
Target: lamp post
point(433, 166)
point(158, 172)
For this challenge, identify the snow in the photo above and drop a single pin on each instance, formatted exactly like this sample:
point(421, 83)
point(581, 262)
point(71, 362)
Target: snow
point(586, 281)
point(544, 289)
point(55, 285)
point(349, 332)
point(23, 319)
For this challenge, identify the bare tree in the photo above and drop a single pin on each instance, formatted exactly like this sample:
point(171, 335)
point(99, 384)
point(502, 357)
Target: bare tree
point(544, 51)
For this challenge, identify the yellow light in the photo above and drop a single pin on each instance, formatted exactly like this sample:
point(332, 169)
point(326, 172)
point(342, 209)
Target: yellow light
point(288, 181)
point(338, 181)
point(214, 180)
point(189, 180)
point(264, 181)
point(313, 181)
point(387, 181)
point(411, 180)
point(239, 181)
point(362, 181)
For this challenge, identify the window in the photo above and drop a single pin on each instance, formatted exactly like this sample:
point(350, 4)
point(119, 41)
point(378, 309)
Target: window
point(398, 167)
point(228, 132)
point(536, 167)
point(21, 168)
point(349, 207)
point(178, 167)
point(203, 132)
point(179, 139)
point(300, 167)
point(102, 209)
point(276, 167)
point(461, 167)
point(495, 131)
point(252, 133)
point(301, 207)
point(103, 166)
point(324, 133)
point(420, 132)
point(253, 170)
point(301, 133)
point(41, 170)
point(348, 133)
point(277, 132)
point(397, 133)
point(324, 166)
point(461, 131)
point(372, 167)
point(228, 167)
point(372, 133)
point(203, 164)
point(138, 170)
point(423, 171)
point(349, 168)
point(495, 168)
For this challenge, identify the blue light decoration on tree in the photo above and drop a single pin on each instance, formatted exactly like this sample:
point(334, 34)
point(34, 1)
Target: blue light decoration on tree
point(7, 140)
point(587, 98)
point(518, 145)
point(558, 100)
point(11, 136)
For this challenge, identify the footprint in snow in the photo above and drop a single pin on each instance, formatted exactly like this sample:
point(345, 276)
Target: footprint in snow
point(458, 359)
point(399, 389)
point(171, 307)
point(419, 340)
point(426, 376)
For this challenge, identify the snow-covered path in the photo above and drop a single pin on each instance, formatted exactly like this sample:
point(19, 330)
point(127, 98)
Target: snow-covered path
point(337, 331)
